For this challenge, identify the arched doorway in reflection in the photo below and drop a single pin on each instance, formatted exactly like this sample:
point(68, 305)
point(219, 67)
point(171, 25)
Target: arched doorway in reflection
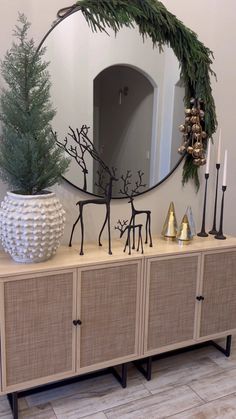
point(123, 120)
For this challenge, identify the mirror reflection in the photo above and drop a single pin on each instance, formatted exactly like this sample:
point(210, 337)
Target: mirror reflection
point(126, 91)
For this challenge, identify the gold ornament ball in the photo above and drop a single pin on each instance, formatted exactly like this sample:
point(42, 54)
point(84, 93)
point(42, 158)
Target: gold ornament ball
point(194, 111)
point(190, 149)
point(187, 112)
point(182, 128)
point(187, 119)
point(197, 145)
point(202, 154)
point(197, 162)
point(181, 149)
point(197, 152)
point(194, 119)
point(203, 161)
point(201, 113)
point(204, 135)
point(196, 128)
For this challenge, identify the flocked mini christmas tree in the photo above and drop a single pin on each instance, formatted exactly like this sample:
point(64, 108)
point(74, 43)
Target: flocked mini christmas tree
point(30, 161)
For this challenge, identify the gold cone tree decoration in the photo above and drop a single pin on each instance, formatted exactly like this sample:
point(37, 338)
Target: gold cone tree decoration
point(184, 234)
point(192, 226)
point(169, 230)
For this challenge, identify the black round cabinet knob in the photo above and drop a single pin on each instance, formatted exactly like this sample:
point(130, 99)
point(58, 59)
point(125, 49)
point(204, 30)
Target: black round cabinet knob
point(77, 322)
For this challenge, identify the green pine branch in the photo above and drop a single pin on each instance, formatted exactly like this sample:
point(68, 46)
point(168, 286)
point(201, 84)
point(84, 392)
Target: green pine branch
point(30, 161)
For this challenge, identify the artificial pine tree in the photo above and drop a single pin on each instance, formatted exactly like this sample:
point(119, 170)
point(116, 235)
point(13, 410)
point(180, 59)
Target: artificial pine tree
point(30, 161)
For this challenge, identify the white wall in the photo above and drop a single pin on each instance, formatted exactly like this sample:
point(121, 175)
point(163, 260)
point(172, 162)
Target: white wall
point(171, 77)
point(214, 22)
point(177, 120)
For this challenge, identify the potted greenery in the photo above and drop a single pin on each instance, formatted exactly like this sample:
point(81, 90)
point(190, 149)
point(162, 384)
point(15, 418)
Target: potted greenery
point(32, 218)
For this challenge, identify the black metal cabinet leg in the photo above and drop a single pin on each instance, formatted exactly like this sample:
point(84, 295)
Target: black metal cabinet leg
point(122, 379)
point(146, 372)
point(227, 349)
point(13, 401)
point(149, 368)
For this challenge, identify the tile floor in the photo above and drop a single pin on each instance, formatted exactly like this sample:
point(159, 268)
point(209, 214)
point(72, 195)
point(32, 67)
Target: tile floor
point(200, 384)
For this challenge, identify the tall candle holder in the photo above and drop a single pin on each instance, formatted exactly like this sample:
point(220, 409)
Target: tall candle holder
point(214, 230)
point(220, 235)
point(203, 231)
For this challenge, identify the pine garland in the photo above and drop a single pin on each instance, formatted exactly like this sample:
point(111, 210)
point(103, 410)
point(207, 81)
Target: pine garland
point(156, 22)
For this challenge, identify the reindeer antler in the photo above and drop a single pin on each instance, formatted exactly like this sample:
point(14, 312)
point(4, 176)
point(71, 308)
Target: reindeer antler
point(83, 145)
point(126, 182)
point(121, 224)
point(77, 152)
point(88, 144)
point(138, 184)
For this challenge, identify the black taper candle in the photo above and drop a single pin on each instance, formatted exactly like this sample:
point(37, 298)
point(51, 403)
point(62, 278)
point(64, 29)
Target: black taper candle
point(203, 231)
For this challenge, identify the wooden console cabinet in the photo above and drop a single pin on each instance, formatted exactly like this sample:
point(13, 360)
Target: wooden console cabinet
point(170, 301)
point(189, 298)
point(76, 314)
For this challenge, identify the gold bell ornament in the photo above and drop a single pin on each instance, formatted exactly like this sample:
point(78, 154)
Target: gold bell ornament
point(194, 136)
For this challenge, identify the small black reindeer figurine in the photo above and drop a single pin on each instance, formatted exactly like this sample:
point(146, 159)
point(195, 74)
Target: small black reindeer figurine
point(107, 190)
point(125, 191)
point(123, 226)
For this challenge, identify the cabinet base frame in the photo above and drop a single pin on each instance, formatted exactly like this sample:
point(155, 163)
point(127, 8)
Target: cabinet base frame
point(227, 349)
point(147, 372)
point(13, 401)
point(13, 397)
point(122, 379)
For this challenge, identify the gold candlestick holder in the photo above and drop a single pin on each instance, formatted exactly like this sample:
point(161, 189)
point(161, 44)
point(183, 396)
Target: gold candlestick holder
point(220, 235)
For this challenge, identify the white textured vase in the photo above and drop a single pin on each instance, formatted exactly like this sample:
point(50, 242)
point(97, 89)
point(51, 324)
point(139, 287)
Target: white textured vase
point(31, 226)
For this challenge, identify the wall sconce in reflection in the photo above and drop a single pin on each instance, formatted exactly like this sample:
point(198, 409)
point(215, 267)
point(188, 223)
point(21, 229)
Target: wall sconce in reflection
point(123, 92)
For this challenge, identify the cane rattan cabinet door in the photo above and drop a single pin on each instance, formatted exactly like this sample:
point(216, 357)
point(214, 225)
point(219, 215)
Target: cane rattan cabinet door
point(109, 311)
point(218, 309)
point(39, 334)
point(170, 301)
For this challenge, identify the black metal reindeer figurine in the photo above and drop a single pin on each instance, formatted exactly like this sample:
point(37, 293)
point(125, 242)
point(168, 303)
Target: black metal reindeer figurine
point(107, 190)
point(125, 191)
point(123, 226)
point(78, 151)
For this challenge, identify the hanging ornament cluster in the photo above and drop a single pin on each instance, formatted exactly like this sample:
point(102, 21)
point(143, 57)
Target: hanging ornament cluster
point(194, 136)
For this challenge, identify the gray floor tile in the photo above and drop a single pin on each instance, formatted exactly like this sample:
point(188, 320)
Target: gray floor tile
point(97, 400)
point(157, 406)
point(215, 386)
point(181, 373)
point(103, 383)
point(224, 408)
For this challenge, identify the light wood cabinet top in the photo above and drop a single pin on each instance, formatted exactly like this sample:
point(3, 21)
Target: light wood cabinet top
point(67, 257)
